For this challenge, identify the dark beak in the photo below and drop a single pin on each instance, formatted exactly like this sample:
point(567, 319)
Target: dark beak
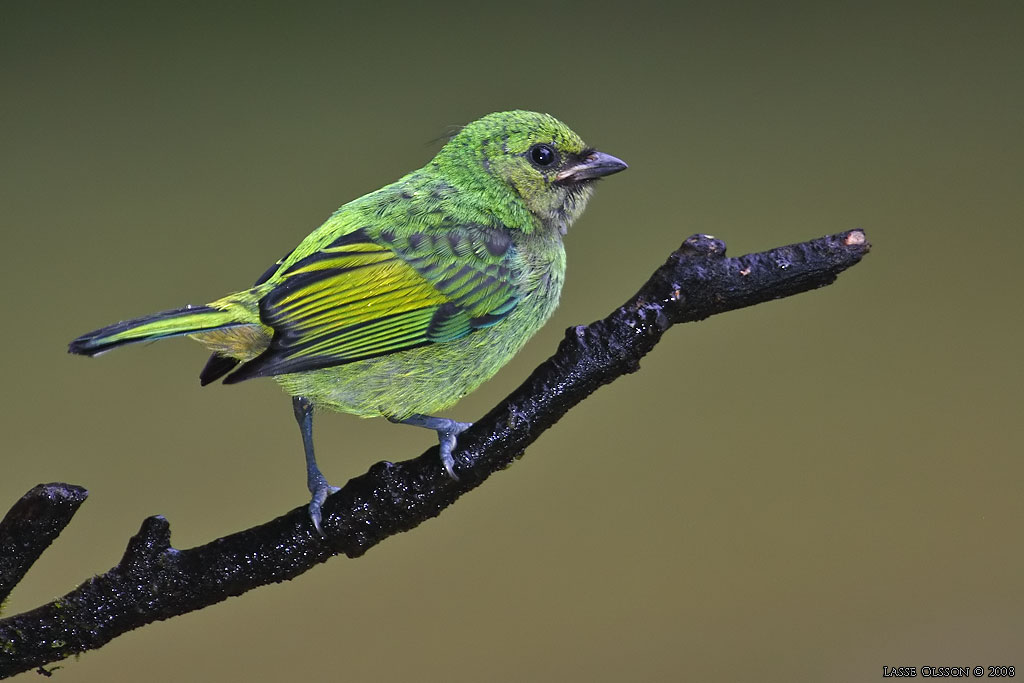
point(593, 166)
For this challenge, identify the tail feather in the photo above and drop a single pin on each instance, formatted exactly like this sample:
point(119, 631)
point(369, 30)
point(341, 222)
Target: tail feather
point(217, 367)
point(188, 320)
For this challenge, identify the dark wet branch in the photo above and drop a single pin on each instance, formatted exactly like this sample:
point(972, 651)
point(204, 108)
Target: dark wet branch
point(31, 526)
point(155, 581)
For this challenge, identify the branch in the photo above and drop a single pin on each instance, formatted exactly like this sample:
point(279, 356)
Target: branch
point(155, 581)
point(31, 526)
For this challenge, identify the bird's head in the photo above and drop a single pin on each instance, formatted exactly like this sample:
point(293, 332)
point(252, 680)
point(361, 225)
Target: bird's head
point(536, 157)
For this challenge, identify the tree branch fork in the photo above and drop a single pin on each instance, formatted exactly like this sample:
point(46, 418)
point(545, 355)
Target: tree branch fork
point(155, 581)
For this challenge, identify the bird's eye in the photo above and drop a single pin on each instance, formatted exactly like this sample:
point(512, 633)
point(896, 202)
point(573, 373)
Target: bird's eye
point(542, 155)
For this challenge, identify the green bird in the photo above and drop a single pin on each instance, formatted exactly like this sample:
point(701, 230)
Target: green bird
point(409, 297)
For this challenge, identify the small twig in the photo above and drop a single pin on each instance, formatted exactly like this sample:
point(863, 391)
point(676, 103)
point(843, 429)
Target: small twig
point(154, 581)
point(29, 528)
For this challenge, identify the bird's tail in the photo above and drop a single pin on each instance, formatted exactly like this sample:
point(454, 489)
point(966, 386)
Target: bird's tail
point(188, 320)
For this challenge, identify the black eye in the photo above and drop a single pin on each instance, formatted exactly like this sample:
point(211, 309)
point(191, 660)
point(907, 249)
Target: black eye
point(542, 155)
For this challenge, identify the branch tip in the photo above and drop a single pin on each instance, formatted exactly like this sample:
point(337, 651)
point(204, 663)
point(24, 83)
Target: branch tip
point(31, 525)
point(855, 237)
point(153, 539)
point(702, 245)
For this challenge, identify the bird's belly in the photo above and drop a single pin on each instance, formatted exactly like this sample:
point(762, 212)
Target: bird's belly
point(425, 379)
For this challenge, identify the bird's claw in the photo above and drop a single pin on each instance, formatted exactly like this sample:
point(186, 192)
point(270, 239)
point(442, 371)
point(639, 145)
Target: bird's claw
point(320, 490)
point(447, 440)
point(446, 429)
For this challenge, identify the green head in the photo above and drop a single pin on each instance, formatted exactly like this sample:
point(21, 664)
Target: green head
point(532, 156)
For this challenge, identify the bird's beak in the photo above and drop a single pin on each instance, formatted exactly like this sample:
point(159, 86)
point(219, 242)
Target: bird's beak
point(594, 165)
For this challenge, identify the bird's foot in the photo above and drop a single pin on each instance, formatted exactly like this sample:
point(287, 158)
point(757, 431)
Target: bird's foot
point(446, 436)
point(446, 430)
point(320, 489)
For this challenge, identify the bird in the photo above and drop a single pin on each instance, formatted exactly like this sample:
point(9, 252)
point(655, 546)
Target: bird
point(409, 297)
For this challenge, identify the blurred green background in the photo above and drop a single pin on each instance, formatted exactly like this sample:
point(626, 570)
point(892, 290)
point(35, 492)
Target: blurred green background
point(813, 488)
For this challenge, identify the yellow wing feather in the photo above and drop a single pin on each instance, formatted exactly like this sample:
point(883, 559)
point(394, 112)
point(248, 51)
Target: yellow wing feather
point(356, 298)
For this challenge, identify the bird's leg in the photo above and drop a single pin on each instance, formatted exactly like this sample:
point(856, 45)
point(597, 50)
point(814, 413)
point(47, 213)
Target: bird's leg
point(315, 481)
point(446, 430)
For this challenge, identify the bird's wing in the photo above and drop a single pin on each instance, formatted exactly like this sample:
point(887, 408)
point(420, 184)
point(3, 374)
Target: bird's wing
point(362, 296)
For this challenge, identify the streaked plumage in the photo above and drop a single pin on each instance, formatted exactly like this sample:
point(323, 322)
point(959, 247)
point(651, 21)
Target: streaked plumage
point(409, 297)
